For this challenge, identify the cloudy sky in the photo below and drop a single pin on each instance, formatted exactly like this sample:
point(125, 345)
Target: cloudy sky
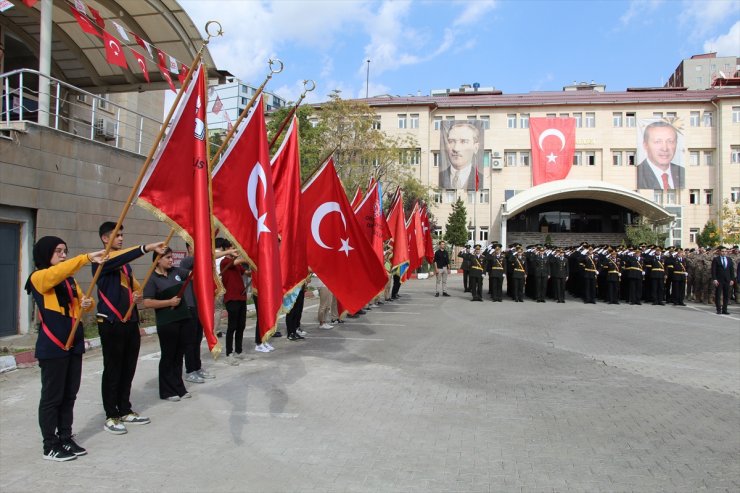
point(417, 46)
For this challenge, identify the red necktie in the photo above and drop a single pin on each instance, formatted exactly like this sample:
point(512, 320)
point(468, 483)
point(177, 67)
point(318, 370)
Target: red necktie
point(665, 181)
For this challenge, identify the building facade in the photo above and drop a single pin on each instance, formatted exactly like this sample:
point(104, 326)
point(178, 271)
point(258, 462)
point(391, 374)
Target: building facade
point(600, 195)
point(234, 96)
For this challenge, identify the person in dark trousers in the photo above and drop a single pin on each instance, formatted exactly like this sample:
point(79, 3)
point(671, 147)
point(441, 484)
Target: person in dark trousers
point(657, 277)
point(723, 278)
point(518, 271)
point(635, 273)
point(612, 267)
point(559, 273)
point(441, 268)
point(235, 300)
point(678, 278)
point(496, 266)
point(475, 279)
point(60, 302)
point(540, 271)
point(396, 286)
point(118, 290)
point(590, 273)
point(293, 317)
point(465, 266)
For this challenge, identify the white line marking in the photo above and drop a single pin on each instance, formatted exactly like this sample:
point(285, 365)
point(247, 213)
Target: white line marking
point(709, 312)
point(348, 338)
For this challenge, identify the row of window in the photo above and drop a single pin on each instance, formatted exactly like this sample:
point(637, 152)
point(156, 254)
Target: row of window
point(450, 196)
point(583, 120)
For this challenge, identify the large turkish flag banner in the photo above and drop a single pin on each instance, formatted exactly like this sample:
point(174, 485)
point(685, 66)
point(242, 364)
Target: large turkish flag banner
point(553, 143)
point(113, 51)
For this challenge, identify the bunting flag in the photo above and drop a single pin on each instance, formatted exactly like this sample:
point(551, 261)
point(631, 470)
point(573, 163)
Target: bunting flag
point(553, 142)
point(84, 22)
point(167, 77)
point(370, 217)
point(145, 45)
point(113, 51)
point(141, 62)
point(397, 225)
point(183, 72)
point(162, 60)
point(30, 3)
point(175, 189)
point(337, 249)
point(357, 198)
point(101, 23)
point(121, 31)
point(427, 231)
point(244, 206)
point(217, 106)
point(286, 176)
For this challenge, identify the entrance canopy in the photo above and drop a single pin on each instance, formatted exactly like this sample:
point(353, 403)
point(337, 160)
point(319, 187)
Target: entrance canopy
point(79, 59)
point(585, 189)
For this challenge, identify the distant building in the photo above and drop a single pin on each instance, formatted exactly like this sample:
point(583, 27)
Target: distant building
point(705, 71)
point(234, 95)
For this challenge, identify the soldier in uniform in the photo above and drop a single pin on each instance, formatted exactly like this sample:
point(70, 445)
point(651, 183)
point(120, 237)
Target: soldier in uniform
point(465, 266)
point(540, 270)
point(476, 262)
point(590, 272)
point(657, 277)
point(518, 266)
point(612, 268)
point(679, 276)
point(635, 273)
point(559, 274)
point(495, 270)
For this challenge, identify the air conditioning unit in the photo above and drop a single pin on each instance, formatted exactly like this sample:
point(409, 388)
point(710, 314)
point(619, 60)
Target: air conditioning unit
point(497, 163)
point(105, 128)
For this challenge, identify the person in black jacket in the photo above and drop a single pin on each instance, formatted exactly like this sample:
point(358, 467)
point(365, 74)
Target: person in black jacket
point(496, 266)
point(60, 302)
point(465, 266)
point(518, 269)
point(441, 268)
point(477, 267)
point(559, 273)
point(723, 278)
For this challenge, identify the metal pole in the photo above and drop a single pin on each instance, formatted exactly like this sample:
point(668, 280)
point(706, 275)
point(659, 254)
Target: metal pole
point(367, 80)
point(44, 62)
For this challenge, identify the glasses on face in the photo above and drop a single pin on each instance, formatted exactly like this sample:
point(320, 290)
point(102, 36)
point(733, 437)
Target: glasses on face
point(61, 251)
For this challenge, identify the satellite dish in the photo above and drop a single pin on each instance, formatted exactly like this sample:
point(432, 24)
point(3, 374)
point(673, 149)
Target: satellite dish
point(476, 85)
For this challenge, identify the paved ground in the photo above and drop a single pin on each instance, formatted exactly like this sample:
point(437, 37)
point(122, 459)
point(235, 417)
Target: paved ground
point(423, 395)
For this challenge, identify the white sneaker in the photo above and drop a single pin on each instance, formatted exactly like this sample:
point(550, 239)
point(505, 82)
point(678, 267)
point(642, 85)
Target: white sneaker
point(326, 326)
point(268, 346)
point(261, 348)
point(301, 332)
point(230, 360)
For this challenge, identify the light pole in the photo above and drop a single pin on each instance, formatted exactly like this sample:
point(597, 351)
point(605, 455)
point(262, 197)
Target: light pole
point(367, 80)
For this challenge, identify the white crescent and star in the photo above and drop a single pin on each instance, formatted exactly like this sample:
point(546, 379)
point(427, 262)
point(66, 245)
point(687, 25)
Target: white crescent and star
point(114, 46)
point(318, 216)
point(554, 132)
point(257, 175)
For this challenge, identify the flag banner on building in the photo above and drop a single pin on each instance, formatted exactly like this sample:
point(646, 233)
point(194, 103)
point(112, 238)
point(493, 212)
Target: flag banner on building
point(427, 232)
point(660, 144)
point(101, 23)
point(397, 225)
point(370, 217)
point(141, 62)
point(113, 51)
point(244, 207)
point(217, 106)
point(338, 251)
point(461, 154)
point(84, 23)
point(167, 77)
point(553, 142)
point(286, 177)
point(357, 198)
point(175, 189)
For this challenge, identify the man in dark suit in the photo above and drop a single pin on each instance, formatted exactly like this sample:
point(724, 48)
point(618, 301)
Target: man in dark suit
point(559, 274)
point(465, 267)
point(657, 172)
point(723, 275)
point(476, 273)
point(495, 268)
point(462, 146)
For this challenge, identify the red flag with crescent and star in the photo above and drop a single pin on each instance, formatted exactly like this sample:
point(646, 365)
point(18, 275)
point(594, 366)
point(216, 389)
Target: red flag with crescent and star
point(84, 22)
point(286, 178)
point(175, 189)
point(113, 51)
point(244, 207)
point(397, 224)
point(427, 232)
point(371, 219)
point(337, 249)
point(141, 63)
point(357, 198)
point(553, 143)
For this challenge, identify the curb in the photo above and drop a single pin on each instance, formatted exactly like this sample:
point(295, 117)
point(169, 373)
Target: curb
point(26, 359)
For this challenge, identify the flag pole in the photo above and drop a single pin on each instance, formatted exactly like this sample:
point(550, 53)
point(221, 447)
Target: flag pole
point(149, 274)
point(292, 112)
point(246, 109)
point(143, 170)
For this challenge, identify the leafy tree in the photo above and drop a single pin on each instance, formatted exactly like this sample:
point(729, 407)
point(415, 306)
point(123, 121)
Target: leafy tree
point(456, 231)
point(310, 136)
point(643, 232)
point(731, 222)
point(709, 236)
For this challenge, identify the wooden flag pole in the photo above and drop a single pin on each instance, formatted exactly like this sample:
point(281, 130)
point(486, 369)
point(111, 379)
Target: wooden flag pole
point(245, 111)
point(149, 274)
point(292, 112)
point(140, 178)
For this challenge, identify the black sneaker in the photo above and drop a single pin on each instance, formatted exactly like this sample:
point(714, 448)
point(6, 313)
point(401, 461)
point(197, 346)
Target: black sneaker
point(219, 334)
point(70, 446)
point(277, 334)
point(58, 454)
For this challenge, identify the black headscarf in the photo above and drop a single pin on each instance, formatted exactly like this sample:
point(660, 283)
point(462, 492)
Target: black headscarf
point(43, 251)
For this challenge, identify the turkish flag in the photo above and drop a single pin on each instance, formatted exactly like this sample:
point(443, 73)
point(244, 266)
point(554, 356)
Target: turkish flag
point(175, 189)
point(183, 73)
point(98, 19)
point(397, 224)
point(427, 231)
point(337, 248)
point(416, 237)
point(244, 206)
point(84, 22)
point(114, 51)
point(217, 106)
point(553, 143)
point(144, 44)
point(30, 3)
point(286, 179)
point(141, 63)
point(167, 77)
point(162, 60)
point(357, 198)
point(370, 216)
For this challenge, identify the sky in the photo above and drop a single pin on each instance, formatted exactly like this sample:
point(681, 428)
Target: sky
point(414, 46)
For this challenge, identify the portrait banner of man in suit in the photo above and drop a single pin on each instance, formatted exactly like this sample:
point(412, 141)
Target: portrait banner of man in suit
point(461, 152)
point(660, 155)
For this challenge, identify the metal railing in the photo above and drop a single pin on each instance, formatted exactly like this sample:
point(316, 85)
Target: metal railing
point(75, 111)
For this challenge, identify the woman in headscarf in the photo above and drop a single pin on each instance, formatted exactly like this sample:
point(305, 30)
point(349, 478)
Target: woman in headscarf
point(174, 323)
point(60, 302)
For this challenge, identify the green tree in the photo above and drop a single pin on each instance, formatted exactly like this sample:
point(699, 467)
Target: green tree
point(730, 223)
point(643, 232)
point(709, 236)
point(310, 135)
point(456, 231)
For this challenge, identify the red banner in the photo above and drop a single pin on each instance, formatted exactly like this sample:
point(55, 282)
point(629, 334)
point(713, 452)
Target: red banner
point(113, 51)
point(397, 224)
point(371, 219)
point(141, 63)
point(84, 23)
point(427, 232)
point(357, 198)
point(553, 143)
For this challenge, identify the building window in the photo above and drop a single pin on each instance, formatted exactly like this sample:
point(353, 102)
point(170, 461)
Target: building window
point(631, 158)
point(736, 114)
point(579, 119)
point(617, 119)
point(617, 158)
point(708, 195)
point(590, 120)
point(671, 115)
point(735, 195)
point(486, 119)
point(437, 197)
point(244, 89)
point(564, 115)
point(450, 196)
point(437, 122)
point(103, 102)
point(450, 118)
point(658, 114)
point(483, 196)
point(694, 196)
point(511, 120)
point(591, 158)
point(471, 119)
point(699, 80)
point(376, 123)
point(658, 196)
point(524, 158)
point(487, 158)
point(524, 120)
point(510, 158)
point(735, 154)
point(415, 155)
point(708, 119)
point(709, 158)
point(630, 120)
point(693, 233)
point(471, 196)
point(694, 158)
point(550, 115)
point(402, 121)
point(694, 118)
point(577, 158)
point(438, 233)
point(471, 234)
point(483, 234)
point(435, 159)
point(414, 120)
point(670, 197)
